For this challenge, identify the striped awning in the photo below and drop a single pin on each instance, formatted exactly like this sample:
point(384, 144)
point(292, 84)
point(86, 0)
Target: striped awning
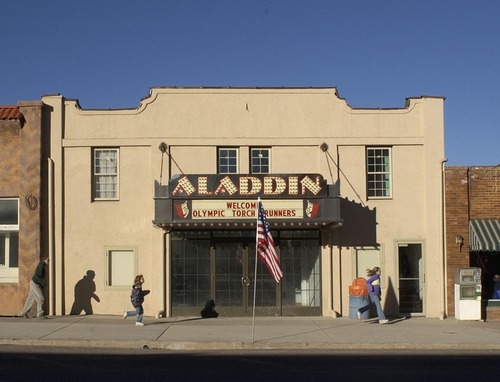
point(484, 235)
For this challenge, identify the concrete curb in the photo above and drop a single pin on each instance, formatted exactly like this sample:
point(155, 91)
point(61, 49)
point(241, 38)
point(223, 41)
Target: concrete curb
point(237, 345)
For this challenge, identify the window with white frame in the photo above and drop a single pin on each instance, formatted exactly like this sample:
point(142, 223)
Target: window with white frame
point(260, 160)
point(9, 240)
point(228, 160)
point(106, 174)
point(378, 167)
point(120, 267)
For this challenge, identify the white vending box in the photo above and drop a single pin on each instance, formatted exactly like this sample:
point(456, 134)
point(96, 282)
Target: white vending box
point(468, 294)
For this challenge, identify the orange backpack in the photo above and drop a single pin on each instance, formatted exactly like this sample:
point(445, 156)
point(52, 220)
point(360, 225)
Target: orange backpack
point(358, 287)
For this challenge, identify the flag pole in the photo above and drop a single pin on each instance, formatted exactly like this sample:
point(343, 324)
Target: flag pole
point(255, 272)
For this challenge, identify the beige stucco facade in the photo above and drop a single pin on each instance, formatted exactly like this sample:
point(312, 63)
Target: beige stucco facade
point(293, 124)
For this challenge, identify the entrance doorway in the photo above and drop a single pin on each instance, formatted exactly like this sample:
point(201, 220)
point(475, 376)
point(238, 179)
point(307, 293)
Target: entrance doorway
point(411, 286)
point(220, 265)
point(233, 274)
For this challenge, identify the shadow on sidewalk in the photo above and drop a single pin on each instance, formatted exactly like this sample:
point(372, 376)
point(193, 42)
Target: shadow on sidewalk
point(173, 321)
point(391, 320)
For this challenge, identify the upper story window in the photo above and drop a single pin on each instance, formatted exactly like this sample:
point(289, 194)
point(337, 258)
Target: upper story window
point(106, 174)
point(260, 160)
point(9, 239)
point(228, 160)
point(378, 167)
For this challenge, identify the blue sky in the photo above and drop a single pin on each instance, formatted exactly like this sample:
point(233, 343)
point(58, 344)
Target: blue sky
point(377, 53)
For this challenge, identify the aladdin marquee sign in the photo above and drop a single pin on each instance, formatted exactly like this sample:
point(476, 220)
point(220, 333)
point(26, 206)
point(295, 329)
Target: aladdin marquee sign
point(248, 186)
point(227, 199)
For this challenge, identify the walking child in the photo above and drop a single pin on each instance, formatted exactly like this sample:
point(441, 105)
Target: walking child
point(137, 298)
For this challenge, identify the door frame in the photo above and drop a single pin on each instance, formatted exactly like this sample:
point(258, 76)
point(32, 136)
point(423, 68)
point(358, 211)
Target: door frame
point(284, 293)
point(421, 278)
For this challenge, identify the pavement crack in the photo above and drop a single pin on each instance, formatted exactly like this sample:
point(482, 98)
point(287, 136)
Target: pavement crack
point(164, 331)
point(61, 328)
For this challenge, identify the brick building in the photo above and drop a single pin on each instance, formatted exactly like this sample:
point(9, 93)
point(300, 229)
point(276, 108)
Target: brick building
point(472, 201)
point(21, 193)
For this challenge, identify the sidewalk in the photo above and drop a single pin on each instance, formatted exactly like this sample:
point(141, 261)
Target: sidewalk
point(193, 333)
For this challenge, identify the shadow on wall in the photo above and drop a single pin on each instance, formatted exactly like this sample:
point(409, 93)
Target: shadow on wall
point(359, 226)
point(84, 293)
point(390, 300)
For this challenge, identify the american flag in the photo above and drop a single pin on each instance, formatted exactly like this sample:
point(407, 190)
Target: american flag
point(265, 245)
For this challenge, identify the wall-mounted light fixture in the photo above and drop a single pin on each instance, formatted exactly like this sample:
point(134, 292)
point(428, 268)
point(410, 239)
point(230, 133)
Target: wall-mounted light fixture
point(163, 147)
point(460, 241)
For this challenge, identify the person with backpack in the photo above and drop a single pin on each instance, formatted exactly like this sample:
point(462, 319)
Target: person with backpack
point(373, 286)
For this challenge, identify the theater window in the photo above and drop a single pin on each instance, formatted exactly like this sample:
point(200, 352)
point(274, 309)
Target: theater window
point(121, 264)
point(378, 167)
point(105, 174)
point(260, 160)
point(228, 160)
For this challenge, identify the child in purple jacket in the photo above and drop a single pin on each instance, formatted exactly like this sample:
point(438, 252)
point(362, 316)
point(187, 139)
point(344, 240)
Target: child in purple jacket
point(373, 286)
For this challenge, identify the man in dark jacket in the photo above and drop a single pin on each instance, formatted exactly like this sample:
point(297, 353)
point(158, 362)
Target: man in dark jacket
point(36, 290)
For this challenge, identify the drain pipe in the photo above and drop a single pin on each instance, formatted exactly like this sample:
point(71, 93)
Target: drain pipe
point(444, 312)
point(163, 309)
point(50, 217)
point(167, 285)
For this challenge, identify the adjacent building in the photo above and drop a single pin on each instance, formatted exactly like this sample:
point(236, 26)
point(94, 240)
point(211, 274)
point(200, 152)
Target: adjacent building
point(22, 194)
point(473, 230)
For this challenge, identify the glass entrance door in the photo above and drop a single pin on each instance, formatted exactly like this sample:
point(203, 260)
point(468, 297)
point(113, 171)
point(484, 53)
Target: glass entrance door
point(220, 265)
point(411, 286)
point(231, 278)
point(234, 278)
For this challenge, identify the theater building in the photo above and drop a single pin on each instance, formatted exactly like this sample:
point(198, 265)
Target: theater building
point(169, 190)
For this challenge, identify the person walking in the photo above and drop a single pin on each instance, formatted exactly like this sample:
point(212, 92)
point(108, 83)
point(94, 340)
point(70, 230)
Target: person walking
point(373, 286)
point(137, 298)
point(496, 287)
point(36, 290)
